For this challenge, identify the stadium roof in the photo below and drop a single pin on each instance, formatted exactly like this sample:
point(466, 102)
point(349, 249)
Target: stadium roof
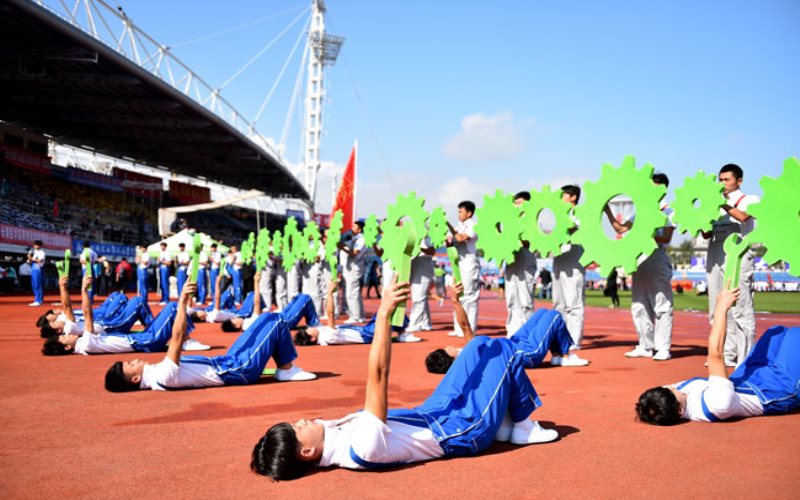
point(60, 81)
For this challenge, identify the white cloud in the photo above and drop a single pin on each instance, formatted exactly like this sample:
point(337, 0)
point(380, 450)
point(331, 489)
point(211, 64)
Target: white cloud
point(501, 137)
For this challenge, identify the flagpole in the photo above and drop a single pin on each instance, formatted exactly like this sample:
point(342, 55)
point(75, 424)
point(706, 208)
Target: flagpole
point(355, 178)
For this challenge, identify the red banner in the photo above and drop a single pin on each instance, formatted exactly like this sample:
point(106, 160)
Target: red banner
point(346, 195)
point(186, 193)
point(28, 160)
point(139, 184)
point(24, 236)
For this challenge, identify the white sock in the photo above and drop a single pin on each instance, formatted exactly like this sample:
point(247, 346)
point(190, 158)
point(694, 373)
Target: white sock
point(506, 425)
point(523, 426)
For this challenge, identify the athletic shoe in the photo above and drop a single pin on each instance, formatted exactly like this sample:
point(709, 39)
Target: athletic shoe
point(162, 303)
point(408, 337)
point(455, 334)
point(351, 321)
point(639, 352)
point(293, 374)
point(662, 355)
point(426, 328)
point(34, 304)
point(524, 434)
point(193, 345)
point(574, 347)
point(571, 360)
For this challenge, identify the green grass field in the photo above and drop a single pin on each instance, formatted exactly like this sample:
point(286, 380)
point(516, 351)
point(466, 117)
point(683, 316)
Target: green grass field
point(775, 302)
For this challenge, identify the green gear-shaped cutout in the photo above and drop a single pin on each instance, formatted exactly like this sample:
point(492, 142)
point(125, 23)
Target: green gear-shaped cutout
point(703, 189)
point(262, 248)
point(371, 230)
point(646, 196)
point(248, 248)
point(777, 221)
point(498, 244)
point(292, 249)
point(546, 243)
point(277, 243)
point(311, 242)
point(437, 227)
point(410, 208)
point(334, 233)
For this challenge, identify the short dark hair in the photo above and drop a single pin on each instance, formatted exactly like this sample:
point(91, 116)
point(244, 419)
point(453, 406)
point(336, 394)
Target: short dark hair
point(438, 361)
point(43, 319)
point(302, 337)
point(182, 245)
point(359, 223)
point(658, 406)
point(660, 178)
point(213, 245)
point(572, 190)
point(733, 168)
point(86, 244)
point(275, 454)
point(467, 205)
point(116, 381)
point(46, 331)
point(525, 195)
point(228, 326)
point(52, 347)
point(37, 242)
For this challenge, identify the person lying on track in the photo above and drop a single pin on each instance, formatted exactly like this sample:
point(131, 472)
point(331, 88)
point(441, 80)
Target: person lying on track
point(544, 331)
point(331, 334)
point(268, 336)
point(485, 396)
point(766, 383)
point(153, 339)
point(223, 309)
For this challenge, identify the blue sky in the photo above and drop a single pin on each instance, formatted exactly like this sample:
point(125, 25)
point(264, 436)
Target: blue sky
point(456, 99)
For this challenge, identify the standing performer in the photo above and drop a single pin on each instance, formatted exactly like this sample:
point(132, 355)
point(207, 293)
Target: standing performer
point(520, 277)
point(266, 285)
point(352, 258)
point(36, 258)
point(488, 381)
point(202, 275)
point(164, 263)
point(142, 265)
point(421, 277)
point(568, 277)
point(464, 238)
point(733, 219)
point(183, 260)
point(651, 294)
point(214, 257)
point(236, 273)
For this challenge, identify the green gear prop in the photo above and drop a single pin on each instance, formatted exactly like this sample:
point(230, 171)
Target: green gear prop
point(734, 251)
point(370, 230)
point(707, 192)
point(332, 243)
point(291, 240)
point(63, 266)
point(248, 247)
point(437, 227)
point(452, 254)
point(408, 209)
point(498, 227)
point(262, 249)
point(409, 249)
point(197, 244)
point(546, 243)
point(87, 258)
point(277, 243)
point(311, 242)
point(646, 196)
point(778, 217)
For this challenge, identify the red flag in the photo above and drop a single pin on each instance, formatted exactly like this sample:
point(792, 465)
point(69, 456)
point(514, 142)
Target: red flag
point(346, 194)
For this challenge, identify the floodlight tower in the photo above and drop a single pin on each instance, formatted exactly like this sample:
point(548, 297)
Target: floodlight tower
point(323, 50)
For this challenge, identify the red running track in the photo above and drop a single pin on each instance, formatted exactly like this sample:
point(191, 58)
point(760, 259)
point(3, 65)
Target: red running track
point(63, 435)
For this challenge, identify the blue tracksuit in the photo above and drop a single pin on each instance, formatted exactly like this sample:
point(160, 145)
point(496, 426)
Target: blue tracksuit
point(212, 281)
point(544, 331)
point(181, 276)
point(36, 283)
point(156, 336)
point(118, 313)
point(141, 281)
point(164, 275)
point(236, 275)
point(301, 307)
point(202, 276)
point(244, 362)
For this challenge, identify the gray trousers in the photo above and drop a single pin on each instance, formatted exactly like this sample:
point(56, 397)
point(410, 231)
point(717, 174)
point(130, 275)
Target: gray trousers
point(470, 277)
point(741, 330)
point(353, 274)
point(651, 306)
point(312, 285)
point(568, 290)
point(281, 288)
point(421, 277)
point(293, 281)
point(265, 286)
point(519, 298)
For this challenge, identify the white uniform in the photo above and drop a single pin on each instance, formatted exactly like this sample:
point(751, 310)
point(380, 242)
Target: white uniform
point(281, 289)
point(167, 375)
point(183, 260)
point(293, 280)
point(353, 274)
point(77, 327)
point(720, 398)
point(421, 277)
point(144, 260)
point(568, 288)
point(338, 336)
point(741, 319)
point(81, 259)
point(520, 274)
point(164, 258)
point(470, 268)
point(90, 343)
point(266, 285)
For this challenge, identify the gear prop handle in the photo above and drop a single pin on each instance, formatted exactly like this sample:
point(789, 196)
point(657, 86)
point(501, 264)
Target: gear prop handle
point(87, 258)
point(63, 266)
point(197, 244)
point(409, 243)
point(733, 258)
point(452, 253)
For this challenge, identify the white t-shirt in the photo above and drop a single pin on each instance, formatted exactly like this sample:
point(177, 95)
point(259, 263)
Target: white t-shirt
point(248, 321)
point(92, 258)
point(89, 343)
point(164, 258)
point(215, 258)
point(144, 260)
point(237, 260)
point(76, 328)
point(375, 441)
point(357, 245)
point(467, 227)
point(338, 336)
point(217, 316)
point(202, 261)
point(738, 199)
point(720, 398)
point(183, 259)
point(167, 375)
point(38, 257)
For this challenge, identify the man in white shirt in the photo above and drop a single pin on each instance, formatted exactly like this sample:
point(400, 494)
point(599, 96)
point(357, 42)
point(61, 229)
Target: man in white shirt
point(568, 277)
point(651, 291)
point(243, 364)
point(733, 219)
point(142, 265)
point(183, 259)
point(765, 383)
point(463, 238)
point(202, 275)
point(352, 258)
point(36, 259)
point(214, 258)
point(488, 380)
point(164, 263)
point(520, 277)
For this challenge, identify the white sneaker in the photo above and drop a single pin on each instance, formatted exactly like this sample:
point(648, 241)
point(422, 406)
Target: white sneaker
point(639, 352)
point(426, 328)
point(350, 321)
point(525, 434)
point(193, 345)
point(571, 360)
point(455, 334)
point(662, 355)
point(162, 303)
point(34, 304)
point(293, 374)
point(408, 337)
point(574, 347)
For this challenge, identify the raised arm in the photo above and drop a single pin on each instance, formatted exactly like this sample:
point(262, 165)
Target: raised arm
point(620, 228)
point(716, 339)
point(461, 314)
point(86, 305)
point(256, 294)
point(217, 289)
point(179, 327)
point(380, 352)
point(329, 306)
point(63, 290)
